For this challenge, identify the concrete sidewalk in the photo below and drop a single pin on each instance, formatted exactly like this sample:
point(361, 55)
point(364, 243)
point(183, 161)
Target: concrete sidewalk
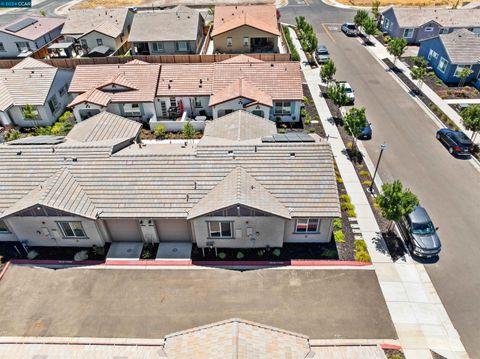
point(416, 310)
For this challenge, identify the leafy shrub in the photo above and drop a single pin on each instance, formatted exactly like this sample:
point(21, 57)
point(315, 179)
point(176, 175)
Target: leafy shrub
point(12, 135)
point(308, 119)
point(367, 183)
point(222, 255)
point(240, 255)
point(306, 101)
point(362, 256)
point(276, 252)
point(347, 206)
point(329, 253)
point(293, 51)
point(339, 179)
point(281, 130)
point(310, 130)
point(360, 245)
point(339, 236)
point(317, 118)
point(363, 173)
point(387, 39)
point(303, 112)
point(160, 131)
point(345, 197)
point(351, 213)
point(337, 224)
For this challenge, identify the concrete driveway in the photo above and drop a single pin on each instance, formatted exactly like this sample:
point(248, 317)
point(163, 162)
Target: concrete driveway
point(151, 303)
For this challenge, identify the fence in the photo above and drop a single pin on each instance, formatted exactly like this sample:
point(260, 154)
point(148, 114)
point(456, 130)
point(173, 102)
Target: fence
point(157, 59)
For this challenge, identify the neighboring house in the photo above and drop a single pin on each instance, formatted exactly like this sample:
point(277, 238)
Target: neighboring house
point(449, 54)
point(98, 28)
point(243, 29)
point(417, 24)
point(272, 90)
point(23, 37)
point(175, 31)
point(32, 82)
point(237, 187)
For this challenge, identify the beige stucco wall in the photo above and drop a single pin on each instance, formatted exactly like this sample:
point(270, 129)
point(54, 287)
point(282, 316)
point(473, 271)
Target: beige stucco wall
point(91, 38)
point(270, 229)
point(324, 235)
point(237, 35)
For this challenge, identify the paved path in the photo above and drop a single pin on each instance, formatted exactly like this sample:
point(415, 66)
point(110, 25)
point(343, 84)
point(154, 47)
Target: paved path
point(416, 310)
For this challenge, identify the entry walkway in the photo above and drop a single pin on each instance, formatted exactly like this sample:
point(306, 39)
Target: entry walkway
point(416, 310)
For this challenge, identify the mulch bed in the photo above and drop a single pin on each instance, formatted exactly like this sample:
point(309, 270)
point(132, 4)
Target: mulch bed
point(289, 251)
point(312, 112)
point(394, 354)
point(149, 251)
point(443, 90)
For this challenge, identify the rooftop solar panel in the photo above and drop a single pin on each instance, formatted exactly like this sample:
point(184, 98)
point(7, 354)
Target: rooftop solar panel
point(22, 24)
point(289, 137)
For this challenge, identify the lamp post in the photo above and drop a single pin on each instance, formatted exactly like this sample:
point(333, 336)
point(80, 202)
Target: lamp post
point(382, 148)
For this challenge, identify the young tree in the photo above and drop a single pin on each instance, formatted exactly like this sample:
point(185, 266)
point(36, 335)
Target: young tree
point(395, 201)
point(338, 95)
point(355, 121)
point(370, 27)
point(188, 131)
point(471, 119)
point(396, 48)
point(360, 17)
point(160, 131)
point(463, 75)
point(418, 73)
point(29, 112)
point(327, 71)
point(375, 11)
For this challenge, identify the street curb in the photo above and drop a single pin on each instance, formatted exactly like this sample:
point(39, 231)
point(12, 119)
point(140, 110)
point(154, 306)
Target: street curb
point(390, 346)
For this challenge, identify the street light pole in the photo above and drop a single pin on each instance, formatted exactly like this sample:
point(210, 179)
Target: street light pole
point(382, 148)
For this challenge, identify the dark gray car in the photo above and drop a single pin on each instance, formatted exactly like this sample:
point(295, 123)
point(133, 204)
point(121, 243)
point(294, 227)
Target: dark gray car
point(420, 234)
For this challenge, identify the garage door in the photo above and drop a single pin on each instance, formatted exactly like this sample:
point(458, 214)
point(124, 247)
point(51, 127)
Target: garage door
point(173, 230)
point(126, 230)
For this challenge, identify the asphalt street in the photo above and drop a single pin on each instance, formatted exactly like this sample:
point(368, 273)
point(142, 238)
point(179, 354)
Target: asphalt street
point(48, 5)
point(448, 187)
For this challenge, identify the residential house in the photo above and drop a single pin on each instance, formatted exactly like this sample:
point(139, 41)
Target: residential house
point(240, 186)
point(417, 24)
point(33, 82)
point(243, 29)
point(175, 31)
point(98, 30)
point(449, 54)
point(25, 36)
point(272, 90)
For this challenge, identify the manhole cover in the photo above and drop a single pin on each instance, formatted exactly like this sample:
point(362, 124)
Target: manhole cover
point(175, 250)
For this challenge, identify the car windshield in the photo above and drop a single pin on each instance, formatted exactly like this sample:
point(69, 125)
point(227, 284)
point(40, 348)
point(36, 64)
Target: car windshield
point(423, 228)
point(351, 26)
point(322, 52)
point(347, 89)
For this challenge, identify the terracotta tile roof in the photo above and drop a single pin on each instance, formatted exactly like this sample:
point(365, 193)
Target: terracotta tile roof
point(39, 28)
point(141, 77)
point(241, 88)
point(106, 21)
point(118, 80)
point(92, 96)
point(261, 17)
point(31, 63)
point(186, 79)
point(240, 59)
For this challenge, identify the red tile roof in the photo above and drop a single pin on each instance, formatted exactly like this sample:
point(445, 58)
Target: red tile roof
point(241, 88)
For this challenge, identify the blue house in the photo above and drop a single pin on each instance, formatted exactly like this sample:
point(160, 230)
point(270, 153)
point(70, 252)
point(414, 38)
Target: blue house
point(449, 54)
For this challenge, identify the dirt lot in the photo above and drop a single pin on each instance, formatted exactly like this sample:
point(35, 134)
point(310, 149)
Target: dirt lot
point(421, 3)
point(87, 4)
point(152, 303)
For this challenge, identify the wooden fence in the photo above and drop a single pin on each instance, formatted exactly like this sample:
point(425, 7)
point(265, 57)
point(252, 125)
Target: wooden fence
point(157, 59)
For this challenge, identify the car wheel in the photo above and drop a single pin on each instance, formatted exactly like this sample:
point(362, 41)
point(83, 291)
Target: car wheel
point(410, 247)
point(450, 150)
point(438, 136)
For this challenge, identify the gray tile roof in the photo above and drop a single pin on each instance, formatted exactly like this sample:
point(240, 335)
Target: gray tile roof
point(153, 182)
point(414, 17)
point(165, 26)
point(106, 21)
point(462, 46)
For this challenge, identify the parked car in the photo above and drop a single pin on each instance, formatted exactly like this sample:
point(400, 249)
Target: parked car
point(348, 90)
point(420, 234)
point(322, 54)
point(366, 133)
point(456, 142)
point(350, 29)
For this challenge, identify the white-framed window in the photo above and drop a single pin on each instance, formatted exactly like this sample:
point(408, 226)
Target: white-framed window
point(181, 45)
point(72, 229)
point(432, 54)
point(2, 48)
point(197, 102)
point(442, 65)
point(229, 42)
point(443, 30)
point(408, 33)
point(83, 42)
point(132, 109)
point(459, 69)
point(3, 227)
point(53, 104)
point(220, 229)
point(283, 108)
point(22, 45)
point(99, 42)
point(428, 29)
point(307, 225)
point(246, 42)
point(387, 24)
point(158, 47)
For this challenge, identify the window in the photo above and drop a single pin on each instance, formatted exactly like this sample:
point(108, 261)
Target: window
point(283, 108)
point(459, 69)
point(387, 24)
point(442, 65)
point(99, 42)
point(246, 42)
point(431, 54)
point(2, 48)
point(132, 109)
point(428, 29)
point(229, 42)
point(83, 42)
point(53, 104)
point(157, 47)
point(238, 211)
point(219, 229)
point(3, 227)
point(408, 33)
point(198, 102)
point(307, 225)
point(182, 46)
point(72, 229)
point(443, 30)
point(23, 46)
point(63, 90)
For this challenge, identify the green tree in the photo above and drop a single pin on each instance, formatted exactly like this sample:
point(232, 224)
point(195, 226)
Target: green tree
point(471, 119)
point(355, 121)
point(29, 112)
point(11, 135)
point(360, 17)
point(338, 95)
point(396, 48)
point(327, 71)
point(188, 131)
point(370, 27)
point(375, 11)
point(160, 131)
point(395, 201)
point(418, 73)
point(463, 75)
point(211, 10)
